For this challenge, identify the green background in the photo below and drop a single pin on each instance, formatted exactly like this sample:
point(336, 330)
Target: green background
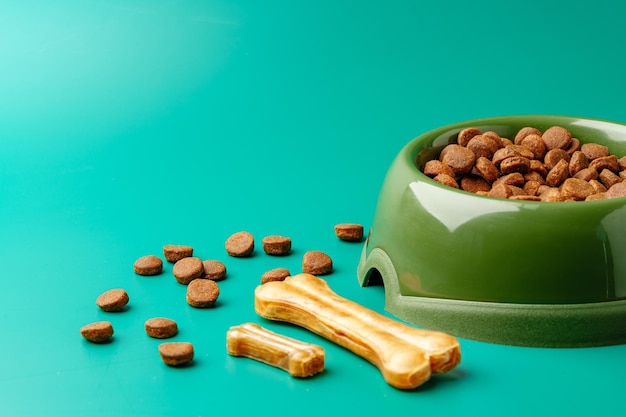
point(127, 125)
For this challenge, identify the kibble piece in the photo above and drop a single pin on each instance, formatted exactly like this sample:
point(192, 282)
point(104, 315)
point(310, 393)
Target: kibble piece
point(586, 174)
point(534, 176)
point(574, 146)
point(446, 179)
point(276, 245)
point(175, 253)
point(608, 178)
point(598, 186)
point(214, 270)
point(558, 174)
point(435, 167)
point(557, 137)
point(316, 263)
point(514, 178)
point(524, 132)
point(621, 162)
point(276, 274)
point(553, 157)
point(617, 190)
point(486, 169)
point(240, 244)
point(552, 194)
point(531, 188)
point(466, 135)
point(538, 166)
point(482, 145)
point(350, 232)
point(576, 189)
point(202, 293)
point(594, 150)
point(536, 144)
point(176, 353)
point(596, 196)
point(474, 184)
point(460, 159)
point(148, 265)
point(515, 164)
point(605, 162)
point(113, 300)
point(161, 328)
point(577, 162)
point(502, 190)
point(97, 332)
point(188, 269)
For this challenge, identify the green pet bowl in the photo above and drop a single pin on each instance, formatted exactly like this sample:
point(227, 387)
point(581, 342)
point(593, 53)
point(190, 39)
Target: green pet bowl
point(514, 272)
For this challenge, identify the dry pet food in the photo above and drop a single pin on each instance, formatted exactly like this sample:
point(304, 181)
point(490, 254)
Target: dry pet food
point(276, 245)
point(97, 332)
point(350, 232)
point(405, 355)
point(276, 274)
point(188, 269)
point(550, 166)
point(202, 293)
point(214, 270)
point(148, 265)
point(298, 358)
point(113, 300)
point(176, 353)
point(161, 327)
point(175, 253)
point(317, 263)
point(240, 244)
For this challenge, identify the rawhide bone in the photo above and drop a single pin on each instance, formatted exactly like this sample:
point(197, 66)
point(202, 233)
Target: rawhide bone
point(252, 341)
point(406, 356)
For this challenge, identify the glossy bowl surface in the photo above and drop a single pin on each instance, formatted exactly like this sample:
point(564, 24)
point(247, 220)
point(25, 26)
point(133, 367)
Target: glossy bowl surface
point(450, 259)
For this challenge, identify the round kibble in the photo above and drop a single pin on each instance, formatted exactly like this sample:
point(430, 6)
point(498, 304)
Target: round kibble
point(482, 145)
point(576, 189)
point(617, 190)
point(240, 244)
point(161, 328)
point(435, 167)
point(276, 274)
point(97, 332)
point(460, 159)
point(557, 137)
point(176, 353)
point(349, 232)
point(474, 184)
point(174, 253)
point(316, 263)
point(446, 179)
point(525, 132)
point(594, 150)
point(276, 245)
point(202, 293)
point(535, 144)
point(148, 265)
point(112, 300)
point(466, 135)
point(188, 269)
point(214, 270)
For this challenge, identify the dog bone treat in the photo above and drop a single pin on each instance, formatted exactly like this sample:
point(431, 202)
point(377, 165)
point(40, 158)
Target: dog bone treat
point(202, 293)
point(240, 244)
point(161, 328)
point(276, 245)
point(176, 353)
point(316, 263)
point(406, 356)
point(187, 269)
point(97, 332)
point(112, 300)
point(214, 270)
point(276, 274)
point(252, 341)
point(350, 232)
point(148, 265)
point(175, 253)
point(489, 165)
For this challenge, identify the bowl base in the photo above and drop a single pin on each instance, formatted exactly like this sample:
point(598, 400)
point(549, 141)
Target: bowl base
point(536, 325)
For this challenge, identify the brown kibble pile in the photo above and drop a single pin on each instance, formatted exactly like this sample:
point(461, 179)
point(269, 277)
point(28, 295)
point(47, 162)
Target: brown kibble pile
point(550, 166)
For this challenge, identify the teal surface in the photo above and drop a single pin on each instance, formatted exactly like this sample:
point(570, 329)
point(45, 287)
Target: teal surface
point(125, 126)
